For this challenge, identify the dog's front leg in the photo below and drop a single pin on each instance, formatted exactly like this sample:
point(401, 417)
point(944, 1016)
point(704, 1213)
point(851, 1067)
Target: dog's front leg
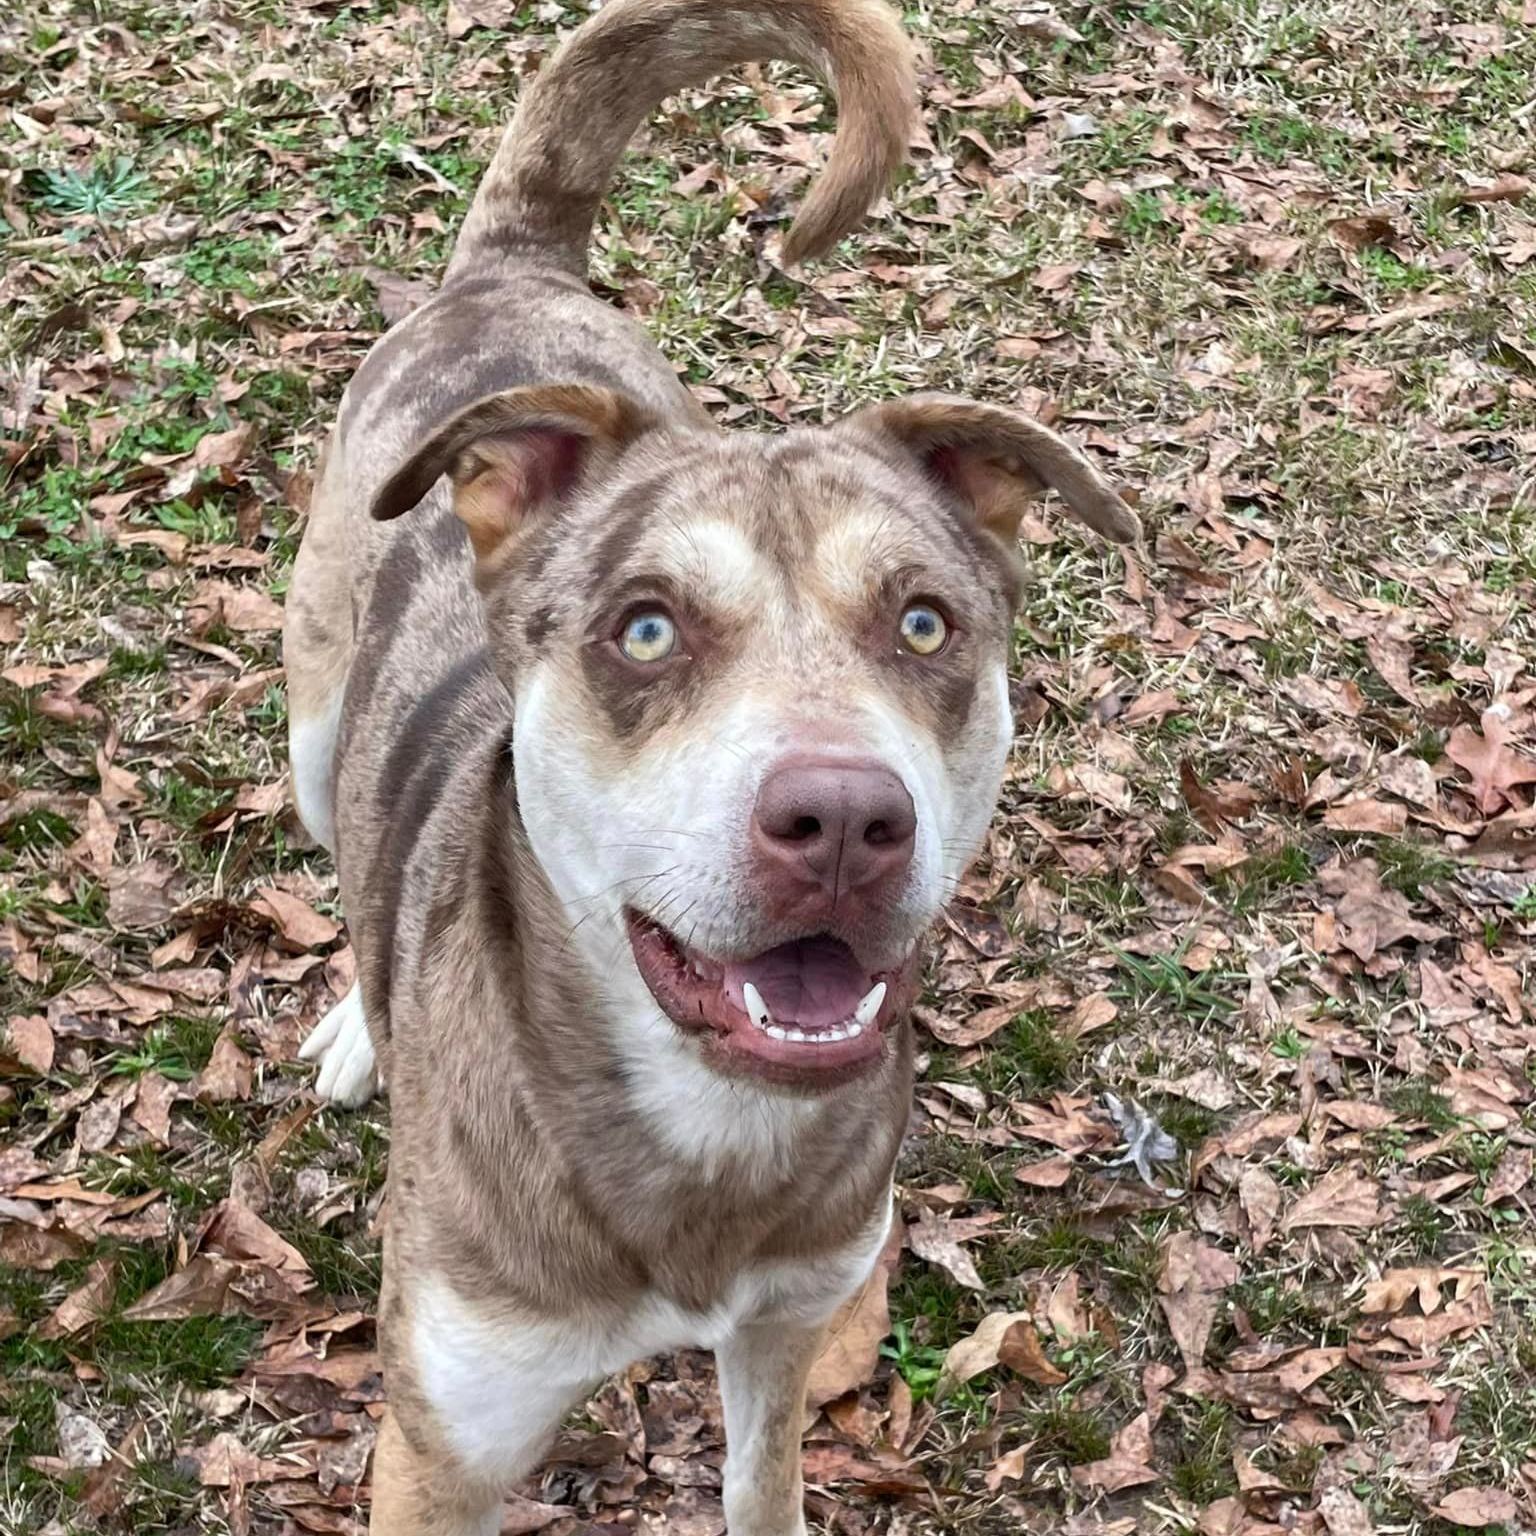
point(763, 1372)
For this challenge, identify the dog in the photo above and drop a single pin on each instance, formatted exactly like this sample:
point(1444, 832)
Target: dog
point(648, 754)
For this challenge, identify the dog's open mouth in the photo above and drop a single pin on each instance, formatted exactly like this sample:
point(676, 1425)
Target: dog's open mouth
point(797, 1011)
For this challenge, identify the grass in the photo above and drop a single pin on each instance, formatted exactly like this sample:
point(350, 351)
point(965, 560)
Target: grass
point(191, 259)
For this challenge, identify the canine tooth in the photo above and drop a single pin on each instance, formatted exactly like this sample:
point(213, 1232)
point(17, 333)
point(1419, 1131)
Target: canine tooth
point(757, 1009)
point(870, 1005)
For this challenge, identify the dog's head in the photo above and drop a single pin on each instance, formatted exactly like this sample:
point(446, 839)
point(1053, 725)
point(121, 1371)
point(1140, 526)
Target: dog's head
point(761, 692)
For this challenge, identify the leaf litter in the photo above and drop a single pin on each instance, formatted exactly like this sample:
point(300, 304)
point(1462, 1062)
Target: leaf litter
point(1264, 876)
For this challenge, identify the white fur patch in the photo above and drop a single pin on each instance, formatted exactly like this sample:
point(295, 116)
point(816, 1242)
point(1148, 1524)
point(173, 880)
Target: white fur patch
point(499, 1382)
point(341, 1044)
point(311, 762)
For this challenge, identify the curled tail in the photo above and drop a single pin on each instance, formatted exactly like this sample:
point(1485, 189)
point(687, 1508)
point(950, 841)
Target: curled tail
point(542, 190)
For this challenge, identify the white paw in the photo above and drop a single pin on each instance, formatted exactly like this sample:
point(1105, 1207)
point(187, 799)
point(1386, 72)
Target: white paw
point(348, 1072)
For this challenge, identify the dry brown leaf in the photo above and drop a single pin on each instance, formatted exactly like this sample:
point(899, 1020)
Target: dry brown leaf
point(228, 1075)
point(1371, 916)
point(1051, 1173)
point(1495, 767)
point(1478, 1507)
point(1194, 1275)
point(398, 296)
point(234, 1231)
point(1359, 1114)
point(934, 1238)
point(107, 1485)
point(1345, 1197)
point(198, 1290)
point(1092, 1012)
point(1156, 706)
point(88, 1303)
point(247, 610)
point(1392, 1292)
point(1344, 1514)
point(1128, 1464)
point(1506, 188)
point(1379, 817)
point(1510, 1177)
point(1023, 1353)
point(1393, 659)
point(979, 1351)
point(142, 895)
point(152, 1107)
point(1215, 804)
point(29, 1043)
point(1261, 1198)
point(298, 922)
point(1008, 1467)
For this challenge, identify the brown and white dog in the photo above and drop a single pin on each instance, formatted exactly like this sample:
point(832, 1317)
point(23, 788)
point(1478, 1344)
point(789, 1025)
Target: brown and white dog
point(648, 753)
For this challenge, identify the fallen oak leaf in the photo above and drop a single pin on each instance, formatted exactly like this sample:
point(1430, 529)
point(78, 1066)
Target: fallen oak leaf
point(85, 1305)
point(1344, 1197)
point(1495, 769)
point(1372, 917)
point(200, 1289)
point(1049, 1173)
point(1511, 1175)
point(1215, 804)
point(977, 1352)
point(233, 1231)
point(1344, 1514)
point(937, 1240)
point(1008, 1467)
point(28, 1043)
point(1392, 1292)
point(1377, 817)
point(297, 922)
point(1477, 1507)
point(247, 610)
point(228, 1075)
point(1128, 1464)
point(1194, 1276)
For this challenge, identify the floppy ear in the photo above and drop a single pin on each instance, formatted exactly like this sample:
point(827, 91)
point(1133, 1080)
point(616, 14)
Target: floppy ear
point(997, 461)
point(512, 453)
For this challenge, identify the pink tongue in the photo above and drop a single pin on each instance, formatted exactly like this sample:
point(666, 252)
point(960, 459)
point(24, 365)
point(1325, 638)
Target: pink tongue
point(811, 982)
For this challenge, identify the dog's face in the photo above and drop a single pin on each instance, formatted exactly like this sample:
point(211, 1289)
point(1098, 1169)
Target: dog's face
point(761, 690)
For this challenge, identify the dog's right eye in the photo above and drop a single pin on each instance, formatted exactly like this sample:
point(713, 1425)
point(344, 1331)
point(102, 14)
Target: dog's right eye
point(648, 636)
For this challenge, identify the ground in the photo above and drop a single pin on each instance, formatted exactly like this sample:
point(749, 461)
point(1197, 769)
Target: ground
point(1263, 876)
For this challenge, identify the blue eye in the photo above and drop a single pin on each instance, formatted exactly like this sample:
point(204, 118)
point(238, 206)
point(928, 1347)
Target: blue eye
point(649, 636)
point(923, 630)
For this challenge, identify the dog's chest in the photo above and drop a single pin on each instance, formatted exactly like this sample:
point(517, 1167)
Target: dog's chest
point(495, 1380)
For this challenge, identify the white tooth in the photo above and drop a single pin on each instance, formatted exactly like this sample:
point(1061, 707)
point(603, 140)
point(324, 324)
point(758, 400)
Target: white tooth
point(776, 1031)
point(796, 1034)
point(870, 1006)
point(855, 1029)
point(840, 1033)
point(757, 1009)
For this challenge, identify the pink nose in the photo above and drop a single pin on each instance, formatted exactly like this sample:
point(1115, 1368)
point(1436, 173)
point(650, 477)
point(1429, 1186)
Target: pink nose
point(824, 830)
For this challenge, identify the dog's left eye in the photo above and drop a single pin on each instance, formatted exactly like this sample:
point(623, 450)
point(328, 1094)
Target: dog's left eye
point(649, 636)
point(923, 630)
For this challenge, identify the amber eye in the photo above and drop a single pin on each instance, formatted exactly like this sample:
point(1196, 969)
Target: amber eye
point(923, 630)
point(649, 636)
